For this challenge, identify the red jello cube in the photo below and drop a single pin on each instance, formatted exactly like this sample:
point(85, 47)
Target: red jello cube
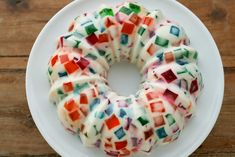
point(71, 67)
point(64, 58)
point(152, 49)
point(74, 115)
point(68, 87)
point(120, 145)
point(108, 145)
point(152, 95)
point(128, 28)
point(148, 21)
point(135, 19)
point(54, 60)
point(194, 86)
point(70, 105)
point(108, 23)
point(169, 76)
point(83, 63)
point(148, 134)
point(93, 93)
point(83, 99)
point(92, 39)
point(170, 96)
point(112, 122)
point(103, 38)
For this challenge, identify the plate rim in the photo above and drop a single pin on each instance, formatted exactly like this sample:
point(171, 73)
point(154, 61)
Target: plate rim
point(192, 148)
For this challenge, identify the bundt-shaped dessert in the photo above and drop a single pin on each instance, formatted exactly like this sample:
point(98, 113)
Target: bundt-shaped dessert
point(87, 106)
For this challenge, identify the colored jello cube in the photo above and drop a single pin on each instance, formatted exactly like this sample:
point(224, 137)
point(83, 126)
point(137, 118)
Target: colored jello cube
point(161, 42)
point(124, 39)
point(83, 63)
point(194, 86)
point(109, 110)
point(135, 8)
point(141, 30)
point(148, 134)
point(106, 12)
point(169, 57)
point(64, 58)
point(90, 29)
point(125, 10)
point(103, 38)
point(171, 96)
point(108, 23)
point(70, 105)
point(62, 74)
point(94, 103)
point(169, 76)
point(159, 121)
point(135, 19)
point(54, 60)
point(83, 98)
point(170, 119)
point(71, 67)
point(143, 121)
point(161, 133)
point(157, 106)
point(120, 133)
point(68, 86)
point(148, 21)
point(152, 95)
point(120, 145)
point(122, 113)
point(127, 28)
point(175, 31)
point(92, 39)
point(152, 49)
point(74, 115)
point(112, 122)
point(91, 56)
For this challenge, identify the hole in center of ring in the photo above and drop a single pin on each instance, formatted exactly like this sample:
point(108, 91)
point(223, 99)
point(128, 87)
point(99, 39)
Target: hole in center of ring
point(124, 78)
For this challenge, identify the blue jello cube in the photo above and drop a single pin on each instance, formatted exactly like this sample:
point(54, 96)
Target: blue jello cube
point(122, 113)
point(120, 133)
point(175, 31)
point(109, 110)
point(161, 133)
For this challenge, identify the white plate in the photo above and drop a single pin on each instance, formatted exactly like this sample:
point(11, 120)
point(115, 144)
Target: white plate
point(44, 113)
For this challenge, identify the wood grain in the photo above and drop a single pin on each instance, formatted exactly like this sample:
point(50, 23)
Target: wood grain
point(21, 22)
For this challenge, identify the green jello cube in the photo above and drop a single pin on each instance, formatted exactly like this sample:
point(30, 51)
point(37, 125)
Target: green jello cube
point(161, 42)
point(170, 119)
point(106, 12)
point(135, 8)
point(90, 29)
point(143, 121)
point(125, 10)
point(141, 31)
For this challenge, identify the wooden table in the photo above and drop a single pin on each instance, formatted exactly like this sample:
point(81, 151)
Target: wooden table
point(21, 22)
